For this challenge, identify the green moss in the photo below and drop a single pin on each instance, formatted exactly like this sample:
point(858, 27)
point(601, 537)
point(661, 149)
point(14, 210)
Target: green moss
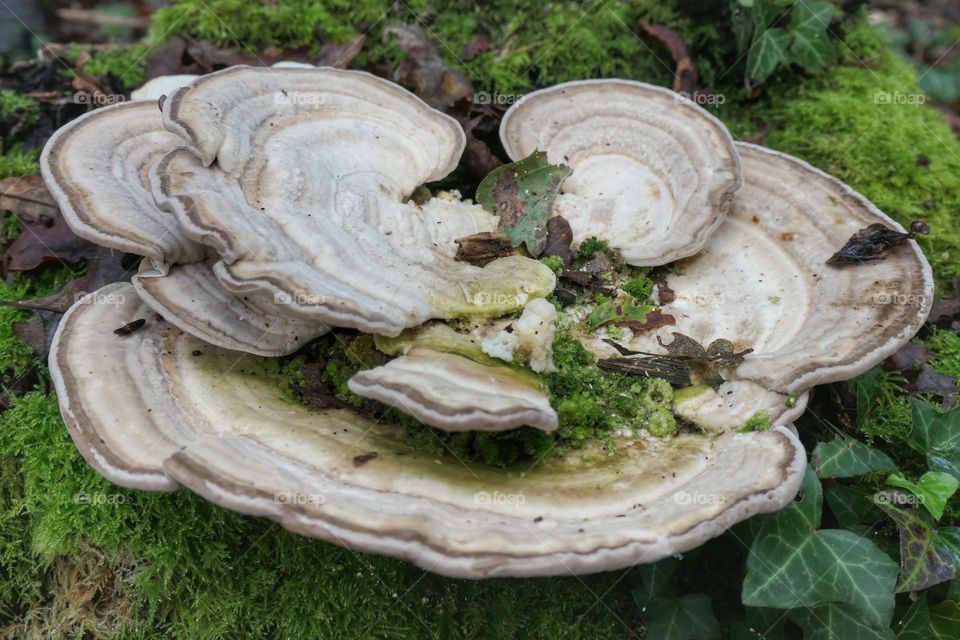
point(591, 403)
point(555, 263)
point(193, 570)
point(13, 104)
point(591, 246)
point(640, 287)
point(535, 43)
point(862, 124)
point(759, 421)
point(945, 352)
point(126, 64)
point(18, 162)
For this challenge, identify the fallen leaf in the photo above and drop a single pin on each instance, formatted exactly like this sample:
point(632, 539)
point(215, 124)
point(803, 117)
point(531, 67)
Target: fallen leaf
point(44, 236)
point(874, 243)
point(103, 268)
point(423, 70)
point(615, 312)
point(655, 320)
point(521, 193)
point(673, 371)
point(930, 381)
point(559, 239)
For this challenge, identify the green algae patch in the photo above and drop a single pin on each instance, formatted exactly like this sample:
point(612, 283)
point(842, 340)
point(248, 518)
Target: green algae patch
point(759, 421)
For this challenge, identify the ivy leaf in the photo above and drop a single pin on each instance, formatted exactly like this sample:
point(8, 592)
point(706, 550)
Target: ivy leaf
point(832, 622)
point(760, 623)
point(687, 618)
point(811, 47)
point(521, 193)
point(792, 564)
point(866, 390)
point(933, 488)
point(937, 436)
point(769, 50)
point(923, 622)
point(927, 556)
point(653, 579)
point(850, 505)
point(847, 457)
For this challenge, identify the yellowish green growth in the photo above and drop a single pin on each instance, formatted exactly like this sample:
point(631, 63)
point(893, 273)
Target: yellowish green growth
point(759, 421)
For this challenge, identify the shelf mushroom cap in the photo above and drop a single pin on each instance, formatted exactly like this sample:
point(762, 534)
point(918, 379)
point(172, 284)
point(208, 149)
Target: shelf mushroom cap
point(292, 197)
point(653, 173)
point(763, 282)
point(160, 409)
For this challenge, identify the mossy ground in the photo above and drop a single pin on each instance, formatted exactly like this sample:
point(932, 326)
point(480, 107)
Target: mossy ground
point(80, 557)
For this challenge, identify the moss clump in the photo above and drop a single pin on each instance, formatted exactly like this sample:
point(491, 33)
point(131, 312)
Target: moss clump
point(18, 162)
point(126, 65)
point(591, 403)
point(640, 287)
point(12, 104)
point(944, 348)
point(555, 263)
point(591, 246)
point(759, 421)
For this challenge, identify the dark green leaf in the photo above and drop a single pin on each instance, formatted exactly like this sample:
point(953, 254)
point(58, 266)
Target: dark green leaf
point(653, 579)
point(933, 489)
point(837, 622)
point(937, 435)
point(923, 622)
point(850, 505)
point(686, 618)
point(811, 47)
point(760, 623)
point(927, 556)
point(866, 390)
point(846, 457)
point(521, 193)
point(768, 52)
point(792, 564)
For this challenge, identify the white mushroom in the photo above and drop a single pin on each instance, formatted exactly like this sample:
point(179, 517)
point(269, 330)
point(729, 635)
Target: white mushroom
point(217, 424)
point(762, 281)
point(97, 168)
point(653, 174)
point(453, 393)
